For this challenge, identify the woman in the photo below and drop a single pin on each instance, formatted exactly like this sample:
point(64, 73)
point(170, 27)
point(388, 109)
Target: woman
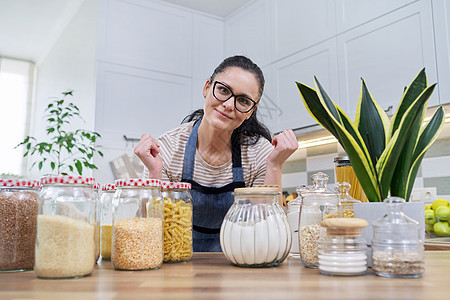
point(220, 148)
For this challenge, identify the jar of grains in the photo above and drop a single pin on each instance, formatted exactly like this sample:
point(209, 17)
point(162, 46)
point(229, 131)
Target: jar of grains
point(65, 244)
point(97, 194)
point(342, 248)
point(318, 203)
point(18, 210)
point(255, 231)
point(397, 250)
point(177, 221)
point(137, 239)
point(106, 219)
point(293, 213)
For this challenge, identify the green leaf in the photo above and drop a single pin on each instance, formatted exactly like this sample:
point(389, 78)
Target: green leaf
point(40, 165)
point(330, 105)
point(71, 168)
point(100, 153)
point(52, 165)
point(50, 130)
point(79, 167)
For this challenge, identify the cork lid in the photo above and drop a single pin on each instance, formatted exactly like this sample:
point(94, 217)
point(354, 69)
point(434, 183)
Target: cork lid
point(344, 226)
point(260, 189)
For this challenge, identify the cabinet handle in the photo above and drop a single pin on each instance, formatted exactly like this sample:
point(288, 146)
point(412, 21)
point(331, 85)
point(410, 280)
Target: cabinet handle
point(130, 139)
point(389, 109)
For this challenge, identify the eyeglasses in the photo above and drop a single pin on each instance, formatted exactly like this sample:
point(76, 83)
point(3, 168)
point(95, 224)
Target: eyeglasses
point(222, 92)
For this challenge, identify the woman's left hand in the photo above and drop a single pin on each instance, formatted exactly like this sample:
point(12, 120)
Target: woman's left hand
point(285, 144)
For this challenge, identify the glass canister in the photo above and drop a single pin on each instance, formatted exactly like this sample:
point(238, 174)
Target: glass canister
point(255, 231)
point(346, 201)
point(293, 214)
point(344, 173)
point(137, 238)
point(18, 214)
point(97, 194)
point(106, 220)
point(342, 248)
point(397, 250)
point(318, 203)
point(65, 244)
point(177, 221)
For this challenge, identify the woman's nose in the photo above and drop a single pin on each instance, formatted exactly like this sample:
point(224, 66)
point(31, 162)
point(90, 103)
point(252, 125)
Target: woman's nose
point(229, 104)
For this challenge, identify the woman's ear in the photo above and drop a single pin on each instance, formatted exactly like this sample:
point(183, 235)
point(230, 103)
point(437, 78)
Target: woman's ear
point(206, 87)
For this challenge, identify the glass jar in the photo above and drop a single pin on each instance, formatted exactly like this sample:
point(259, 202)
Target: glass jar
point(342, 248)
point(397, 250)
point(18, 213)
point(344, 173)
point(346, 201)
point(65, 244)
point(318, 203)
point(106, 220)
point(97, 194)
point(293, 214)
point(177, 221)
point(137, 239)
point(255, 231)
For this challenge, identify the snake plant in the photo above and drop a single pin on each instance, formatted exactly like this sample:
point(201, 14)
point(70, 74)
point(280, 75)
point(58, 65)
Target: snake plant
point(385, 152)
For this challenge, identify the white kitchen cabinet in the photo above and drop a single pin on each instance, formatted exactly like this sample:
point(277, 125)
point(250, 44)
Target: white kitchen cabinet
point(441, 14)
point(319, 61)
point(388, 53)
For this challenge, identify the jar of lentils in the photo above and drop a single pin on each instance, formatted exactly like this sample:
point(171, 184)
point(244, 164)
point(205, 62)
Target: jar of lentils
point(66, 221)
point(177, 221)
point(18, 211)
point(137, 239)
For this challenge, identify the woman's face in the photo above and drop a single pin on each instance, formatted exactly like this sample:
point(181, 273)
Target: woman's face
point(223, 115)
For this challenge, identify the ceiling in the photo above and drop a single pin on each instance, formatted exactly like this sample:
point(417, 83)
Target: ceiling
point(28, 28)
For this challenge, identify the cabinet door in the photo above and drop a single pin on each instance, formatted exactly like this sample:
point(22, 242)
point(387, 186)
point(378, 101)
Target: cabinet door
point(441, 13)
point(301, 24)
point(388, 53)
point(319, 61)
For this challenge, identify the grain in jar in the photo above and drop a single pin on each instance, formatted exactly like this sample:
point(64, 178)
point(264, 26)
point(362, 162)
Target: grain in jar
point(177, 221)
point(137, 231)
point(65, 243)
point(18, 212)
point(106, 219)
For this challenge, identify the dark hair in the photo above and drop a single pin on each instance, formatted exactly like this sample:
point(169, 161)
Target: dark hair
point(251, 129)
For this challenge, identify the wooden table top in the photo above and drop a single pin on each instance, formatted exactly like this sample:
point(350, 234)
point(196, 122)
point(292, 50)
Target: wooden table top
point(211, 276)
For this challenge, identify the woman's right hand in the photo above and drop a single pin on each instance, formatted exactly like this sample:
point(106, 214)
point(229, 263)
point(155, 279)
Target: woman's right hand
point(148, 152)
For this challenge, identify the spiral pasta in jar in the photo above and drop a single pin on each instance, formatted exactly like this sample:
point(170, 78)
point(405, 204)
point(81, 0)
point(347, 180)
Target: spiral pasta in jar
point(177, 221)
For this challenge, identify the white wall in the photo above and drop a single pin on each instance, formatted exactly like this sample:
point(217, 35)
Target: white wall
point(69, 65)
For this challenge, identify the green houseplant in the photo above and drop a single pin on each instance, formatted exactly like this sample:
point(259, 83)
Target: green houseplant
point(66, 151)
point(385, 153)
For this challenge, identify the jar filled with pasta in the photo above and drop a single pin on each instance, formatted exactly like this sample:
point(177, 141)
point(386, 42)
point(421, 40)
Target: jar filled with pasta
point(106, 219)
point(345, 173)
point(137, 232)
point(177, 221)
point(65, 243)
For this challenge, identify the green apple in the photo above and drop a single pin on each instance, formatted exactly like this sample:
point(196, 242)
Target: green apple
point(428, 206)
point(442, 213)
point(430, 228)
point(441, 228)
point(430, 218)
point(439, 202)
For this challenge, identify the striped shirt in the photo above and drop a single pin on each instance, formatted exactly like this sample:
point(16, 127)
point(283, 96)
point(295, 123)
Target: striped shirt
point(172, 148)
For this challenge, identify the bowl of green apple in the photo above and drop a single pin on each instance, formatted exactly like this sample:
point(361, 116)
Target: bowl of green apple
point(437, 218)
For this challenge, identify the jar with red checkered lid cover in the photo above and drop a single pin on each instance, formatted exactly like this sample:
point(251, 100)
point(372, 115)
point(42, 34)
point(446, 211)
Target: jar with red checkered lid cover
point(97, 194)
point(18, 210)
point(66, 221)
point(177, 221)
point(137, 231)
point(106, 219)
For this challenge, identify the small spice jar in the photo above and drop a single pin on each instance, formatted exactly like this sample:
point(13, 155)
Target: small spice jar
point(106, 220)
point(293, 214)
point(397, 250)
point(18, 212)
point(318, 203)
point(65, 244)
point(255, 231)
point(346, 201)
point(137, 239)
point(177, 221)
point(342, 248)
point(97, 194)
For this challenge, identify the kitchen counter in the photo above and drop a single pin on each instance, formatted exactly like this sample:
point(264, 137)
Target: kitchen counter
point(211, 276)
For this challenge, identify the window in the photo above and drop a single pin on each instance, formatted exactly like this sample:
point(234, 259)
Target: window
point(16, 79)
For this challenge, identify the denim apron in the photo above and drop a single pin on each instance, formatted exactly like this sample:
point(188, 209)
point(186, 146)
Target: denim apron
point(210, 203)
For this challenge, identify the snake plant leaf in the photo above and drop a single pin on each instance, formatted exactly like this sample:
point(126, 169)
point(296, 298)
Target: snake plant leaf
point(330, 105)
point(390, 156)
point(373, 124)
point(427, 137)
point(411, 93)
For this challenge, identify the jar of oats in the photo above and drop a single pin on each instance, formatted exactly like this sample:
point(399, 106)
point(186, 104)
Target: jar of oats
point(137, 233)
point(106, 219)
point(397, 250)
point(66, 221)
point(18, 210)
point(177, 221)
point(318, 203)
